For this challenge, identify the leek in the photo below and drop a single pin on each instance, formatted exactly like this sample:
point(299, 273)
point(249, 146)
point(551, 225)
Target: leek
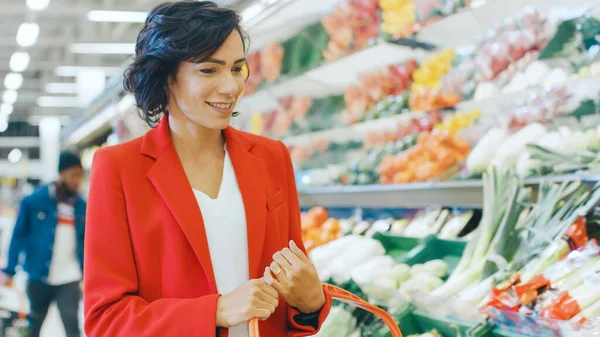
point(506, 242)
point(495, 188)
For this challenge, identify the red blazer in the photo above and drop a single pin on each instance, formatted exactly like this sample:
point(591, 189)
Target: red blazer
point(148, 269)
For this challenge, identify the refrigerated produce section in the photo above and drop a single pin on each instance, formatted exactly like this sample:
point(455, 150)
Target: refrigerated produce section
point(447, 157)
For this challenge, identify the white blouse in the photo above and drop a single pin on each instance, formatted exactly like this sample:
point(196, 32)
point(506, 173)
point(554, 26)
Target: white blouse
point(225, 224)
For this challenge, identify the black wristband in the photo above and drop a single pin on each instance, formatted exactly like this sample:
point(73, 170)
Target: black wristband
point(311, 319)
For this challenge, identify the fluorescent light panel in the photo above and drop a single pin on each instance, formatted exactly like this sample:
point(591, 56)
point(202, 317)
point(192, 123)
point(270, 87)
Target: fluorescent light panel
point(61, 88)
point(13, 81)
point(117, 16)
point(38, 5)
point(28, 34)
point(10, 97)
point(19, 61)
point(14, 156)
point(103, 48)
point(58, 102)
point(74, 70)
point(6, 109)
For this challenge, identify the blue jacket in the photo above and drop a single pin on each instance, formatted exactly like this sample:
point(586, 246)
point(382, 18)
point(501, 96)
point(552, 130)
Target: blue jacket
point(34, 232)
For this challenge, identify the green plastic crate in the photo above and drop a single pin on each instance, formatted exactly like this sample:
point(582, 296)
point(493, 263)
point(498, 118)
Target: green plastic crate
point(445, 326)
point(433, 248)
point(414, 321)
point(401, 248)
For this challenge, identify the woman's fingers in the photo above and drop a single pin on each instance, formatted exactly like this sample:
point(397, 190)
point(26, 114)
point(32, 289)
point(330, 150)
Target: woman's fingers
point(298, 252)
point(268, 277)
point(269, 290)
point(282, 263)
point(292, 259)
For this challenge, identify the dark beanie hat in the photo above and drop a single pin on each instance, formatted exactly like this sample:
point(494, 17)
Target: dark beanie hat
point(68, 159)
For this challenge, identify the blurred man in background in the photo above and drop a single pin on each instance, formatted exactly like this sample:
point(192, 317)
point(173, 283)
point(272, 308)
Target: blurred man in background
point(48, 239)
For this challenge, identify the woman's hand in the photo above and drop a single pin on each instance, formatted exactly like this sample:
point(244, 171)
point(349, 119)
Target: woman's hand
point(255, 299)
point(296, 279)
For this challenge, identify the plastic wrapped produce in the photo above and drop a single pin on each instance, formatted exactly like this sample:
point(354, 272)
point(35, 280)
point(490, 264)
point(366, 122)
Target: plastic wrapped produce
point(270, 61)
point(555, 274)
point(255, 78)
point(342, 266)
point(350, 26)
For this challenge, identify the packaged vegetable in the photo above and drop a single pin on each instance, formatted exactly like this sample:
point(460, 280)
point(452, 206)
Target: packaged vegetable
point(342, 266)
point(483, 153)
point(367, 272)
point(551, 277)
point(511, 149)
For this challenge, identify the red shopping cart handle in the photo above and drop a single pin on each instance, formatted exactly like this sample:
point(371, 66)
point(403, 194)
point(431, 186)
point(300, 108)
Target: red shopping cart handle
point(347, 297)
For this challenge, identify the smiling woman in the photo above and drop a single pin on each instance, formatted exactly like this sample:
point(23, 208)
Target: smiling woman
point(185, 54)
point(194, 228)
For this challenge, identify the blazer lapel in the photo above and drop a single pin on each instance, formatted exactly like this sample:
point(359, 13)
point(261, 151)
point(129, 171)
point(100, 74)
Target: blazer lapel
point(169, 179)
point(251, 175)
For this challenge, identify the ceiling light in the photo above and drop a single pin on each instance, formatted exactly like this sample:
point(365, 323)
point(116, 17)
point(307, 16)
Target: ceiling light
point(74, 70)
point(14, 156)
point(38, 5)
point(13, 81)
point(117, 16)
point(61, 88)
point(103, 48)
point(28, 34)
point(58, 102)
point(3, 124)
point(19, 61)
point(10, 97)
point(6, 109)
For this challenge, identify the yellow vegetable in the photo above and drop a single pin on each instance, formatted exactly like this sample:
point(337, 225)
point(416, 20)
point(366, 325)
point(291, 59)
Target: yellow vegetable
point(392, 5)
point(256, 124)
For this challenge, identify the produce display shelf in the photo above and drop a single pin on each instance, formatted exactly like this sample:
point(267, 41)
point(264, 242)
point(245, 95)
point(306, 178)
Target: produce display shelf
point(331, 78)
point(458, 29)
point(415, 195)
point(496, 104)
point(493, 106)
point(468, 193)
point(284, 18)
point(355, 132)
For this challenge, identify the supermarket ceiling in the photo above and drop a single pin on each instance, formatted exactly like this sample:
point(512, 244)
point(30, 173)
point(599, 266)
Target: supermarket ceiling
point(68, 38)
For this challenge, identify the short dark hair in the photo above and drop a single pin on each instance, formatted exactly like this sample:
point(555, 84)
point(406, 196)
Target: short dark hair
point(175, 32)
point(67, 160)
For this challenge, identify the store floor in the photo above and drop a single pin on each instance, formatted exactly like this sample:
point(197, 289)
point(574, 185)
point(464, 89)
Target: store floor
point(53, 326)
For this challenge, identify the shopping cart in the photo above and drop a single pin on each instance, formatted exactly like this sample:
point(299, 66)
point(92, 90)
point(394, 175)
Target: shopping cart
point(349, 298)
